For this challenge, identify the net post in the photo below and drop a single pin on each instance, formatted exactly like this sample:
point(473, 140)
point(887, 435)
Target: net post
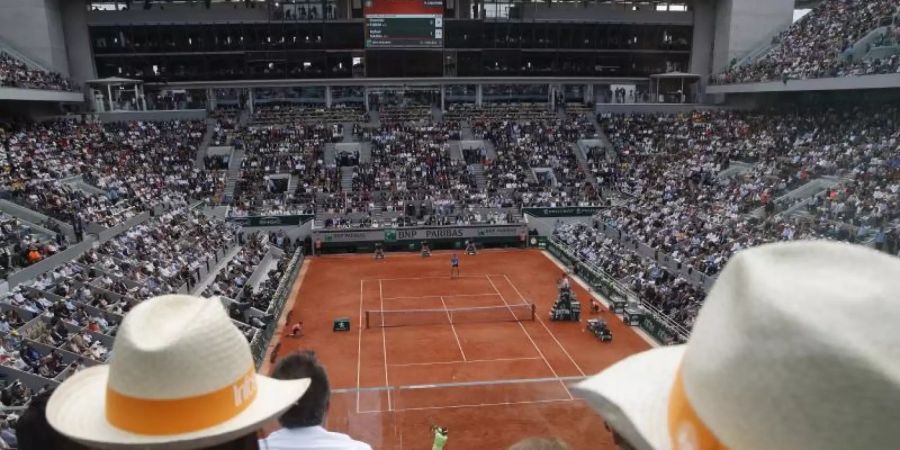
point(533, 311)
point(367, 320)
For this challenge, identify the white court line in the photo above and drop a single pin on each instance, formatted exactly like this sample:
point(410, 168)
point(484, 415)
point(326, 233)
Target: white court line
point(546, 328)
point(359, 349)
point(384, 346)
point(453, 328)
point(436, 296)
point(481, 405)
point(468, 361)
point(426, 278)
point(555, 375)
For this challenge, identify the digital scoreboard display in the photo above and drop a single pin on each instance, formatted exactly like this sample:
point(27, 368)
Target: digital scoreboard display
point(404, 24)
point(404, 31)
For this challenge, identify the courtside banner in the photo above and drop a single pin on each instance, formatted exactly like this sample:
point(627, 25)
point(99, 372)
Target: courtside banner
point(574, 211)
point(271, 221)
point(418, 234)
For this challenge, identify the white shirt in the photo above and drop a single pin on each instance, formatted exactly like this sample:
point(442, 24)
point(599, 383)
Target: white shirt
point(312, 438)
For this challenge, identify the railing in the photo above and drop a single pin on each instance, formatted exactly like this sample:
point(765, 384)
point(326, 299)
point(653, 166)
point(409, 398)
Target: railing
point(260, 342)
point(665, 330)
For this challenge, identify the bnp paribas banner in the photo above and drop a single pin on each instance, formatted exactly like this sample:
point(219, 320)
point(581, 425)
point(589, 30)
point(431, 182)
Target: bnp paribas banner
point(271, 221)
point(573, 211)
point(419, 234)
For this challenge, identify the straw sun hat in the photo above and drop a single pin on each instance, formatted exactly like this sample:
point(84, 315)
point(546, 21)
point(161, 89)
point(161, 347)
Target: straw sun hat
point(181, 377)
point(796, 347)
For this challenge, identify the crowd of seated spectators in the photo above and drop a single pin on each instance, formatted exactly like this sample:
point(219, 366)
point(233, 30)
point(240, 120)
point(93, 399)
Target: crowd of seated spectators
point(669, 293)
point(536, 163)
point(232, 279)
point(673, 199)
point(294, 151)
point(162, 255)
point(491, 111)
point(134, 166)
point(813, 47)
point(282, 114)
point(22, 244)
point(15, 73)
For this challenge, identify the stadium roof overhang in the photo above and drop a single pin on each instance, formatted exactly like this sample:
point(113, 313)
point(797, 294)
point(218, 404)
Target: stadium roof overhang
point(113, 81)
point(675, 75)
point(392, 82)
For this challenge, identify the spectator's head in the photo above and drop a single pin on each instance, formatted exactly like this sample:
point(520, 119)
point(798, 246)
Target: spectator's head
point(34, 433)
point(311, 409)
point(793, 348)
point(183, 377)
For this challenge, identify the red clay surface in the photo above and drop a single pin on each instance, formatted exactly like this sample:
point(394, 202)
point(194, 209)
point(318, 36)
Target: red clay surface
point(508, 380)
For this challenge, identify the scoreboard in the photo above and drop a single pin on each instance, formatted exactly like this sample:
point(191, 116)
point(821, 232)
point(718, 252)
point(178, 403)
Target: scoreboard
point(407, 30)
point(404, 23)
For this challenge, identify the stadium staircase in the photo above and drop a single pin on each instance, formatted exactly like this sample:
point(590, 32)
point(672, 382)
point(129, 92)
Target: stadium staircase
point(244, 117)
point(734, 169)
point(347, 129)
point(465, 131)
point(581, 157)
point(346, 179)
point(489, 151)
point(233, 174)
point(204, 144)
point(202, 284)
point(795, 198)
point(477, 171)
point(365, 152)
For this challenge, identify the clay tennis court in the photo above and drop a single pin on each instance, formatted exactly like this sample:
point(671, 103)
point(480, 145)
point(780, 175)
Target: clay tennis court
point(489, 372)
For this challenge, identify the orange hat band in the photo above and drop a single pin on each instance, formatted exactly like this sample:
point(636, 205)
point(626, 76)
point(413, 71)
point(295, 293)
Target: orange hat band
point(182, 415)
point(686, 429)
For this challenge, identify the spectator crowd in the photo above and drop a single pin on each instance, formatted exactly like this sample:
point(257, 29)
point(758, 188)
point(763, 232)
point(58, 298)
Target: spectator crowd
point(15, 73)
point(820, 45)
point(699, 187)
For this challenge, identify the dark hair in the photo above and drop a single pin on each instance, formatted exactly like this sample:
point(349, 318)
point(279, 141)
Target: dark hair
point(311, 408)
point(33, 432)
point(246, 442)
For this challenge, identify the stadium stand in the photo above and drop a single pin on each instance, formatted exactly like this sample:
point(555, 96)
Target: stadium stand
point(558, 131)
point(17, 74)
point(818, 45)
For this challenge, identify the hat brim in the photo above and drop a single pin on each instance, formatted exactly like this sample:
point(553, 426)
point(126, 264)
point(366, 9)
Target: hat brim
point(633, 396)
point(77, 410)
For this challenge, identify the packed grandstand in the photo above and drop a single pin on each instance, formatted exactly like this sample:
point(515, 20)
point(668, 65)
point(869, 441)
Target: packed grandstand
point(100, 212)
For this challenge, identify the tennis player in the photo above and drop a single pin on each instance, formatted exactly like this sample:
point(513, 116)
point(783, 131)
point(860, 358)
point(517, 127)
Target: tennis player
point(440, 437)
point(297, 330)
point(454, 265)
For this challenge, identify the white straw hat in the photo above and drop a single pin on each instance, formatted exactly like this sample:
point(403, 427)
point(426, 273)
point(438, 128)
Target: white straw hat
point(181, 377)
point(796, 347)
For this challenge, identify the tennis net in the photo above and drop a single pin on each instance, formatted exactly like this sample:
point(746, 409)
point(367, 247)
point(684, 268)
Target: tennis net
point(479, 314)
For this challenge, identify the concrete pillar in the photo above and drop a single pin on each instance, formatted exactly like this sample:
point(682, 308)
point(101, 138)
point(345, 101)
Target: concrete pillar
point(211, 100)
point(366, 98)
point(551, 91)
point(252, 101)
point(328, 96)
point(110, 99)
point(443, 96)
point(479, 95)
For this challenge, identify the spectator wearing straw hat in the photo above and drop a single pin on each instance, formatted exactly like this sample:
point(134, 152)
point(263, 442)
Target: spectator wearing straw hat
point(302, 423)
point(794, 348)
point(183, 378)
